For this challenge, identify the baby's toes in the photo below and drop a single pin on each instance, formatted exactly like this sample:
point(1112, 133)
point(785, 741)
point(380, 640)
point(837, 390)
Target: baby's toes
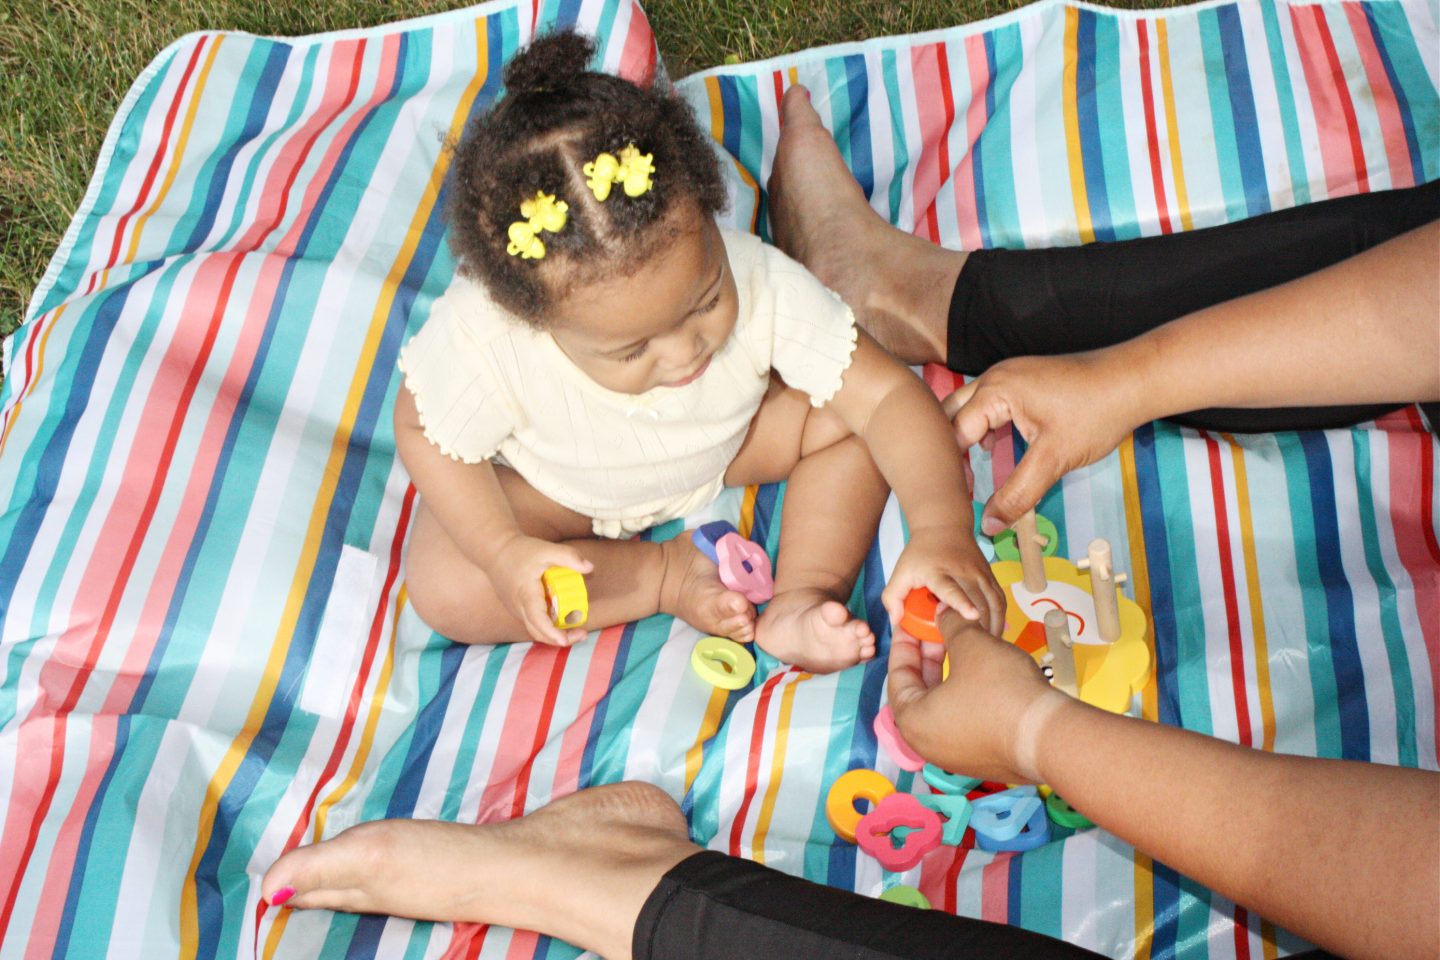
point(734, 616)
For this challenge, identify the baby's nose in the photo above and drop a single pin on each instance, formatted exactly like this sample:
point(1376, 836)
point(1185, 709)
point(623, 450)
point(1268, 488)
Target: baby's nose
point(685, 354)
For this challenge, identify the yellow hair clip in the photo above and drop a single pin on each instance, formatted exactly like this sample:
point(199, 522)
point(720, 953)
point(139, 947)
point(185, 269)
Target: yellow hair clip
point(542, 212)
point(632, 170)
point(636, 168)
point(601, 175)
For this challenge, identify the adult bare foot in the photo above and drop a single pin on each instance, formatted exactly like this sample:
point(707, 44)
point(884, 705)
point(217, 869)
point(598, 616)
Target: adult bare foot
point(898, 284)
point(579, 869)
point(807, 628)
point(691, 590)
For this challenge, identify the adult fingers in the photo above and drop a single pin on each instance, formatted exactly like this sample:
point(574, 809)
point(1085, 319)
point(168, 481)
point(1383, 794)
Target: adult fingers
point(986, 411)
point(958, 398)
point(1033, 476)
point(997, 603)
point(906, 681)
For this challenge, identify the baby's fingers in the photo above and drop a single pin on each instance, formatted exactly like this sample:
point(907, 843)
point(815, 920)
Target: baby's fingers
point(892, 598)
point(953, 595)
point(560, 555)
point(995, 601)
point(539, 625)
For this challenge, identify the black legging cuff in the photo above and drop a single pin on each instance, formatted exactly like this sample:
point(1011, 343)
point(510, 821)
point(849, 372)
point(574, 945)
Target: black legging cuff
point(714, 907)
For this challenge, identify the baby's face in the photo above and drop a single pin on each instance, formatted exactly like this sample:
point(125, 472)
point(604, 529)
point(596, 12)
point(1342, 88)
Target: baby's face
point(659, 326)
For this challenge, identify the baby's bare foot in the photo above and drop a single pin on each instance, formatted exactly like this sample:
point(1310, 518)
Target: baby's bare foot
point(691, 590)
point(579, 868)
point(821, 218)
point(815, 633)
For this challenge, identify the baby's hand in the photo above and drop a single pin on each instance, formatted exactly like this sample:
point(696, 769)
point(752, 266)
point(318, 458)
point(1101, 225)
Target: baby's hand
point(515, 574)
point(949, 562)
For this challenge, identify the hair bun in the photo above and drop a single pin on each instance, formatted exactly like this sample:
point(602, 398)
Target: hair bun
point(550, 62)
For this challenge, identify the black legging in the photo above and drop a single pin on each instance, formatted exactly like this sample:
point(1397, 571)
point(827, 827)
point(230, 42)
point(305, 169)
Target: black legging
point(713, 907)
point(1010, 303)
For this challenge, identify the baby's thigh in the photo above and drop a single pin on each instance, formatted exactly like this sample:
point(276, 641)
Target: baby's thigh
point(785, 429)
point(538, 515)
point(448, 590)
point(446, 567)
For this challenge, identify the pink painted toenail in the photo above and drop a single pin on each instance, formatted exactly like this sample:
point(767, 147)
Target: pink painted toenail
point(279, 897)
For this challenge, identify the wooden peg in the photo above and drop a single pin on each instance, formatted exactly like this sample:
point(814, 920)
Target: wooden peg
point(1103, 588)
point(1057, 638)
point(1032, 560)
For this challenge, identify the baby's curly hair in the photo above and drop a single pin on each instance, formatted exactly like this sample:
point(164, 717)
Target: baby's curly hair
point(555, 116)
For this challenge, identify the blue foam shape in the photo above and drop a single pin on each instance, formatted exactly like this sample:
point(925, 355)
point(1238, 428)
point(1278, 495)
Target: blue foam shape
point(707, 535)
point(1002, 816)
point(1034, 830)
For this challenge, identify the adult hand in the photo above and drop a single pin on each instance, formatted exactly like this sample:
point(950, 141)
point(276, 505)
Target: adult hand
point(967, 724)
point(1072, 410)
point(515, 571)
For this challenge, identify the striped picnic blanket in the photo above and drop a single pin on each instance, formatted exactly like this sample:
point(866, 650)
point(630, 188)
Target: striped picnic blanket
point(205, 651)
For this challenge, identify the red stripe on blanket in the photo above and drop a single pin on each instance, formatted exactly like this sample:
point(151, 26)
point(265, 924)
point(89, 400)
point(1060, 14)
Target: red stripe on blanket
point(1329, 97)
point(1227, 583)
point(752, 766)
point(577, 734)
point(967, 212)
point(155, 161)
point(929, 66)
point(1387, 108)
point(1412, 516)
point(1152, 136)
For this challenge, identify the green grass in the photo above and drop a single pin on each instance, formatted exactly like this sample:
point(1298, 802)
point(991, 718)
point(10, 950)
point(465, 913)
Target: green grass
point(66, 64)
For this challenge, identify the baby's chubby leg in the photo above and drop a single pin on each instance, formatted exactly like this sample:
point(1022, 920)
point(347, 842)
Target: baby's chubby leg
point(632, 579)
point(832, 507)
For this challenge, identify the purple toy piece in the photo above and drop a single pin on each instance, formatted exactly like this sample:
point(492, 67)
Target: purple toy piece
point(745, 567)
point(707, 535)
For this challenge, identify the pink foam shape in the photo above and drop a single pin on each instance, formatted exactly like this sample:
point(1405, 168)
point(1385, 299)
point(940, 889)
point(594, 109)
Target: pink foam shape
point(745, 567)
point(899, 810)
point(890, 738)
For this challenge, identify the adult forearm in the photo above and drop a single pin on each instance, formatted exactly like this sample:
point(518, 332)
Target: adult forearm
point(1346, 854)
point(1366, 330)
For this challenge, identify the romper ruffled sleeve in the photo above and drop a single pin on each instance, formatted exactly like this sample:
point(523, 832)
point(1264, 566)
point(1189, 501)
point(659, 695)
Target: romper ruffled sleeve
point(812, 331)
point(459, 393)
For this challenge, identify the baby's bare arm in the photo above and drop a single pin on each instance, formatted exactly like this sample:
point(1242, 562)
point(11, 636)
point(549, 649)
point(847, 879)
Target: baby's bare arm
point(902, 423)
point(910, 439)
point(471, 506)
point(465, 497)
